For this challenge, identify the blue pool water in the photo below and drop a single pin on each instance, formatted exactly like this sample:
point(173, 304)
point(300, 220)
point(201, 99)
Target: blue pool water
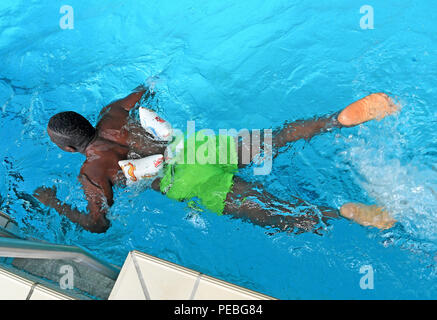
point(237, 64)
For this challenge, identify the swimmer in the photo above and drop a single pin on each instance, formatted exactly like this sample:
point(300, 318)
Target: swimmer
point(116, 138)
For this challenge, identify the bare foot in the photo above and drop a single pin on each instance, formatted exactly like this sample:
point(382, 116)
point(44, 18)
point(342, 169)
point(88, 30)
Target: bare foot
point(367, 215)
point(374, 106)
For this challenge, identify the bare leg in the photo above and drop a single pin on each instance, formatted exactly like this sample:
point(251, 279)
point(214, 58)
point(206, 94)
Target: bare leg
point(249, 202)
point(290, 132)
point(374, 106)
point(304, 129)
point(262, 210)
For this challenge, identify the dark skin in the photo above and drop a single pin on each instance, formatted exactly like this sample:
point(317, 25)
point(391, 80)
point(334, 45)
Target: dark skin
point(116, 138)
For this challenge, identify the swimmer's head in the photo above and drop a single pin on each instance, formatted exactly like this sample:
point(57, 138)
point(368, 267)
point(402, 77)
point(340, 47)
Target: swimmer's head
point(70, 131)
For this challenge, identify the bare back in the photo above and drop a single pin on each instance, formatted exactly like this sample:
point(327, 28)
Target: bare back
point(118, 138)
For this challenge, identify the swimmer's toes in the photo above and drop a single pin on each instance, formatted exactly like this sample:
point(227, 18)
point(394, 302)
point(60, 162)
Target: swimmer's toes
point(374, 106)
point(368, 215)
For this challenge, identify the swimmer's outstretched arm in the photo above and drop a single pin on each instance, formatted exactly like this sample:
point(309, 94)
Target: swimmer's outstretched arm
point(99, 200)
point(90, 222)
point(129, 102)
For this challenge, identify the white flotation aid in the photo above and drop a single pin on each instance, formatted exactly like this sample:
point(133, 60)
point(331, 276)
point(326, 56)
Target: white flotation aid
point(152, 166)
point(145, 168)
point(154, 125)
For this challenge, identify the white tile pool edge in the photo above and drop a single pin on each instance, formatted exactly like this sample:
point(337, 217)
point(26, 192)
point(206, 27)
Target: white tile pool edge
point(145, 277)
point(15, 287)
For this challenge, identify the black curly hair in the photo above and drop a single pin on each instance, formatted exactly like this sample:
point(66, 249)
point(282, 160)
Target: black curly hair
point(71, 129)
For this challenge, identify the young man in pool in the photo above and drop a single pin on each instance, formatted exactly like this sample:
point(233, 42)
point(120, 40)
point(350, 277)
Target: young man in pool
point(115, 138)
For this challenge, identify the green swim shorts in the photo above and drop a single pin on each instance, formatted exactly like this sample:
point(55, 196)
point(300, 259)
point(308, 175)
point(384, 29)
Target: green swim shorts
point(204, 170)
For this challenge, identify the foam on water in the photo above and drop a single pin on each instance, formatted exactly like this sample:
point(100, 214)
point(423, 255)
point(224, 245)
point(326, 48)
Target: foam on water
point(395, 177)
point(404, 190)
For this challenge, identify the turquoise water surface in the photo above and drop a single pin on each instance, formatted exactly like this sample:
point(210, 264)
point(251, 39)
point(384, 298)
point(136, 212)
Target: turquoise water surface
point(237, 64)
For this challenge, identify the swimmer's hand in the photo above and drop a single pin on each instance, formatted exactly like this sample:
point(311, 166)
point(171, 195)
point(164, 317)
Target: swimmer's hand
point(93, 222)
point(141, 88)
point(46, 196)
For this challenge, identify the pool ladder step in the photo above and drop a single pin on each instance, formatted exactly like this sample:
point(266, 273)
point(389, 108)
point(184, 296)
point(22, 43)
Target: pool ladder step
point(48, 264)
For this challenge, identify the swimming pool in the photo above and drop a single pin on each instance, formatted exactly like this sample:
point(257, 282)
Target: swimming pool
point(245, 64)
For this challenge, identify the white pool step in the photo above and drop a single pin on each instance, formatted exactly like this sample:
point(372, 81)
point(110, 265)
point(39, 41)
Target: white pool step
point(144, 277)
point(15, 287)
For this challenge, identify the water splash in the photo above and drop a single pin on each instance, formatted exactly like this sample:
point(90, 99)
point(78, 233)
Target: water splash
point(407, 188)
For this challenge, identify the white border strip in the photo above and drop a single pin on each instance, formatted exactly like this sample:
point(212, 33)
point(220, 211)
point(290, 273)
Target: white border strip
point(196, 285)
point(140, 276)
